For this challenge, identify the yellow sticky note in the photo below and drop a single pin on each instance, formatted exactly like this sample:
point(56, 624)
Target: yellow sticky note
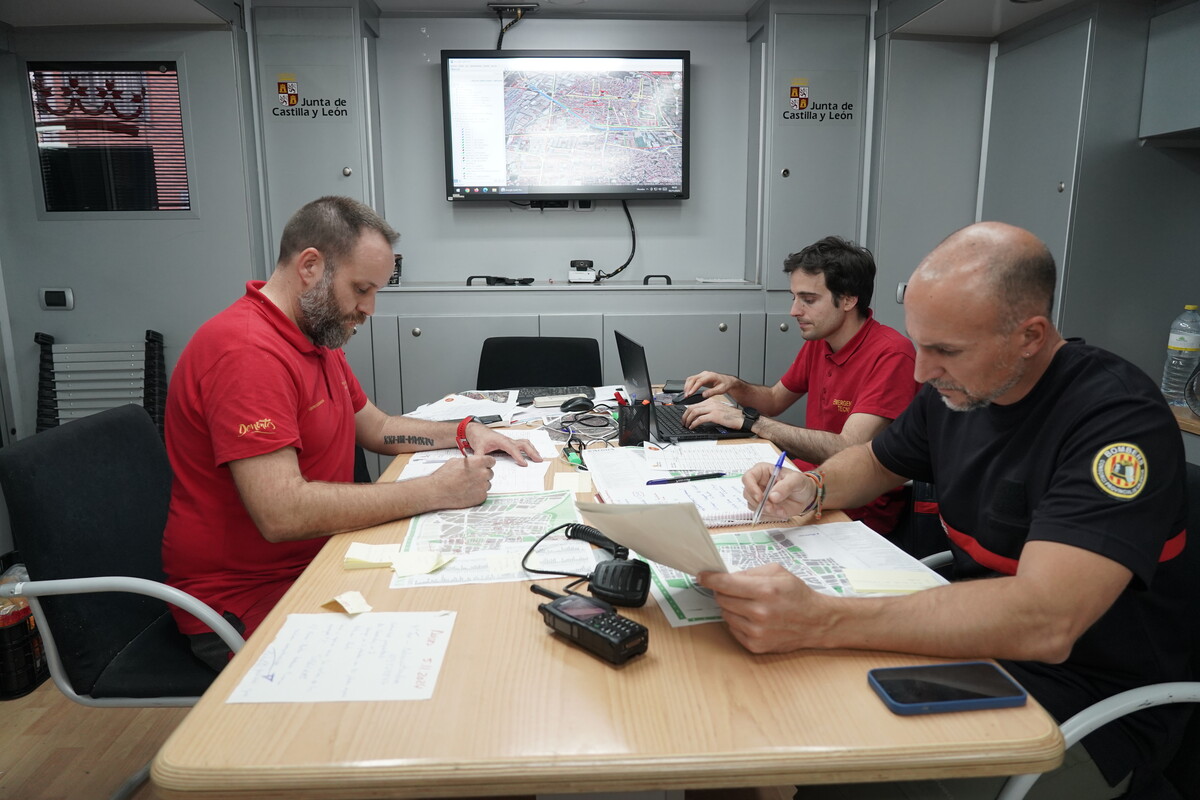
point(360, 555)
point(573, 482)
point(419, 562)
point(889, 581)
point(350, 602)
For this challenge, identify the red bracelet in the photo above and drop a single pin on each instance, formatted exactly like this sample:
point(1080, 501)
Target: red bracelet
point(460, 438)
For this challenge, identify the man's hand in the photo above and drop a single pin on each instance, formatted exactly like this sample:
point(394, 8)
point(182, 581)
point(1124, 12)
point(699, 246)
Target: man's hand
point(717, 382)
point(767, 608)
point(485, 440)
point(714, 410)
point(463, 482)
point(790, 495)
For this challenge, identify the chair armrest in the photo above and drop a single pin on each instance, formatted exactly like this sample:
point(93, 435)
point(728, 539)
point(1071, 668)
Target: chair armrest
point(1099, 714)
point(168, 594)
point(938, 560)
point(1105, 711)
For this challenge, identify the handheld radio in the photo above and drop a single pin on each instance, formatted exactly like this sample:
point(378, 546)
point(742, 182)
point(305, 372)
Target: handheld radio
point(594, 625)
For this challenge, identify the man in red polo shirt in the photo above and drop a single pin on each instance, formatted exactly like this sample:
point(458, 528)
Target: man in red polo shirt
point(263, 414)
point(857, 373)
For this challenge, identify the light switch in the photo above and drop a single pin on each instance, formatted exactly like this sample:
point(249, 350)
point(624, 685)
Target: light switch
point(56, 299)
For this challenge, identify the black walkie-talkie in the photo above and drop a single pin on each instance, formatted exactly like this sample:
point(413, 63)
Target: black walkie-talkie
point(593, 625)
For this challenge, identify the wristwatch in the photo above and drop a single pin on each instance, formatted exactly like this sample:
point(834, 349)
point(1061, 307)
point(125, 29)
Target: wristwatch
point(749, 417)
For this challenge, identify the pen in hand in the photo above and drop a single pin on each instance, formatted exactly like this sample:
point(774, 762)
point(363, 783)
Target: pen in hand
point(685, 478)
point(767, 492)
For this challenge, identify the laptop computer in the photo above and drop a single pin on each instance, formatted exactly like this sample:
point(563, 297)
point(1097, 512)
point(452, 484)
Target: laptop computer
point(666, 423)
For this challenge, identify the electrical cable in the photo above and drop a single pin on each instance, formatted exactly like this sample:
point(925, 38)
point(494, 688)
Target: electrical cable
point(601, 274)
point(541, 539)
point(504, 28)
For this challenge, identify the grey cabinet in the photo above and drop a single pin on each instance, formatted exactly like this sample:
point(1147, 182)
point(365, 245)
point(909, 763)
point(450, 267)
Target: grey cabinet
point(440, 354)
point(810, 145)
point(1065, 161)
point(1033, 144)
point(312, 106)
point(677, 345)
point(783, 343)
point(1171, 97)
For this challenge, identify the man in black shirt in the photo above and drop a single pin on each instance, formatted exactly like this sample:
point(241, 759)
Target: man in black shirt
point(1060, 472)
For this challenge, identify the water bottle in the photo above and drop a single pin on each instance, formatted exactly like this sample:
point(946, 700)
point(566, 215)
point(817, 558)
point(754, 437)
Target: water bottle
point(1183, 354)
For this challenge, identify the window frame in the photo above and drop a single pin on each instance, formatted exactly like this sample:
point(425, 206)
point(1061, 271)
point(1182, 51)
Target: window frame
point(35, 177)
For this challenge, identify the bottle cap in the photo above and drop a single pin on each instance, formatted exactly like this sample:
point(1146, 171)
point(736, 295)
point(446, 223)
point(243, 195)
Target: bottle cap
point(1190, 308)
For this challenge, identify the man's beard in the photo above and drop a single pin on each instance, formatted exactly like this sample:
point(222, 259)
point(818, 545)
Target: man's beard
point(320, 317)
point(972, 402)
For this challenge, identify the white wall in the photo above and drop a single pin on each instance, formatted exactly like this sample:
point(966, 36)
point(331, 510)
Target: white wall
point(447, 242)
point(127, 275)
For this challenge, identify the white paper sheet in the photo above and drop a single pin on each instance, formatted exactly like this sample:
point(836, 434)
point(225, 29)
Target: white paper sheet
point(507, 476)
point(325, 658)
point(668, 534)
point(820, 555)
point(488, 541)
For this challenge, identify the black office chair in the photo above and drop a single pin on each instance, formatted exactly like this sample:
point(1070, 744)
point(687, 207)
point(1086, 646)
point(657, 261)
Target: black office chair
point(509, 362)
point(88, 503)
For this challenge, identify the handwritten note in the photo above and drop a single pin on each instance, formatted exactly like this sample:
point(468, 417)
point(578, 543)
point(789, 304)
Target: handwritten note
point(323, 658)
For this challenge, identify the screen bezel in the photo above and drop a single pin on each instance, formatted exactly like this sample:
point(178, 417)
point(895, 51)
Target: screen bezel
point(568, 192)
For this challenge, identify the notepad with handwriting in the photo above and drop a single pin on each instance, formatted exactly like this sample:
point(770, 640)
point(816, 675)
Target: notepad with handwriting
point(719, 501)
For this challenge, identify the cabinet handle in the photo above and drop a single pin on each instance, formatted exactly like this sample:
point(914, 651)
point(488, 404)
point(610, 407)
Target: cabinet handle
point(416, 331)
point(785, 172)
point(347, 171)
point(1062, 187)
point(722, 327)
point(783, 327)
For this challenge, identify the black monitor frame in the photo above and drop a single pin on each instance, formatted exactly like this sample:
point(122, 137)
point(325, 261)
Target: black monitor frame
point(530, 193)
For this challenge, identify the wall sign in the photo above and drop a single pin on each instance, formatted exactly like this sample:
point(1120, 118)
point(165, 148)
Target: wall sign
point(819, 98)
point(297, 98)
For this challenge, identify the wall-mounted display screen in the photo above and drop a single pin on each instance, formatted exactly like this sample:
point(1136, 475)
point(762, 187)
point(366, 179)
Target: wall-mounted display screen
point(561, 125)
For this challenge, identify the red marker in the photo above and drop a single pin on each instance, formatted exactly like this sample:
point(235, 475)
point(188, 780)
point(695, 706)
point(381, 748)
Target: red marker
point(620, 399)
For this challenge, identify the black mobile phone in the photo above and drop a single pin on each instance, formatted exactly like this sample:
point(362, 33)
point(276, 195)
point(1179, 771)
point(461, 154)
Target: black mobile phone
point(956, 686)
point(594, 625)
point(489, 420)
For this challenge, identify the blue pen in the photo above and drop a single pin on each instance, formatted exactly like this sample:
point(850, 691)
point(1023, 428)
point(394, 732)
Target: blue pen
point(771, 483)
point(685, 478)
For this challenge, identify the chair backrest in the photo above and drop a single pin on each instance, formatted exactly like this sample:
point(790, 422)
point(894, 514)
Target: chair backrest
point(85, 499)
point(507, 362)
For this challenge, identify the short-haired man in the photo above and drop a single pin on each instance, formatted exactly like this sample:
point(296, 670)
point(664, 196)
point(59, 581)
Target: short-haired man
point(1059, 471)
point(857, 373)
point(263, 414)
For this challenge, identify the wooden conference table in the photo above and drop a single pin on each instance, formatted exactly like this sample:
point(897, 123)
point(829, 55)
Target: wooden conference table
point(518, 711)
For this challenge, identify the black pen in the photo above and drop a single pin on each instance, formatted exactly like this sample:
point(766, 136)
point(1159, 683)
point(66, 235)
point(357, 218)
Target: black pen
point(686, 478)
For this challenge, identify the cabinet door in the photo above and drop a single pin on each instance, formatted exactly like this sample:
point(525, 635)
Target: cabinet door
point(783, 343)
point(1033, 143)
point(440, 355)
point(314, 146)
point(677, 345)
point(816, 111)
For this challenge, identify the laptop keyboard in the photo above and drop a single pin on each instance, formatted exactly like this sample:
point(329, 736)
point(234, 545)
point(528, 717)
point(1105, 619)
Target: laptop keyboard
point(527, 393)
point(670, 424)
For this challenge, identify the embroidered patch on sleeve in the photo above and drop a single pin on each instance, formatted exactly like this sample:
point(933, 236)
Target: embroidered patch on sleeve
point(1120, 470)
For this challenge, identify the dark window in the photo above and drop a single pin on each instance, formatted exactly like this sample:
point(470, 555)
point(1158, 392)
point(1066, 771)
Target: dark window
point(109, 135)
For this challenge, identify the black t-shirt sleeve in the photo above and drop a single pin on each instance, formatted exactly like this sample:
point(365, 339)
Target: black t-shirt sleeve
point(903, 446)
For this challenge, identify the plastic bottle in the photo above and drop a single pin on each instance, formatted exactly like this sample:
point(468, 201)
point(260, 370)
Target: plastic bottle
point(1183, 354)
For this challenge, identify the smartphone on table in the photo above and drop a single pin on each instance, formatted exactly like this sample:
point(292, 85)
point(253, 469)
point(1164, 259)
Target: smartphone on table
point(956, 686)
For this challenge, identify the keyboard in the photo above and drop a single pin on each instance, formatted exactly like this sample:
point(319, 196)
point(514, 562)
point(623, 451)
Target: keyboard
point(670, 422)
point(527, 393)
